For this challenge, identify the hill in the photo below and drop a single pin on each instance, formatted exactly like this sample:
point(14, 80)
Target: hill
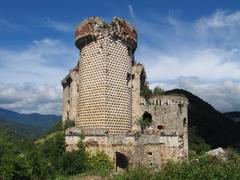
point(27, 124)
point(234, 116)
point(20, 130)
point(215, 128)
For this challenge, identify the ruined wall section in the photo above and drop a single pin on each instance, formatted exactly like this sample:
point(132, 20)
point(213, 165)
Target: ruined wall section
point(70, 96)
point(136, 100)
point(169, 117)
point(152, 151)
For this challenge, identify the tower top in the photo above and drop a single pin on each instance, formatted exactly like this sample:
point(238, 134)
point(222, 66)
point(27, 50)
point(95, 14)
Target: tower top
point(94, 28)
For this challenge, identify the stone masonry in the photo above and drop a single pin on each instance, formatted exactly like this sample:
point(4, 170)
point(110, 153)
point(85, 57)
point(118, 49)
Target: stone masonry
point(102, 96)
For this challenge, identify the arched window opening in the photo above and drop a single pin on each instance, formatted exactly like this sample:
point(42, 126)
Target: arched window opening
point(146, 120)
point(121, 162)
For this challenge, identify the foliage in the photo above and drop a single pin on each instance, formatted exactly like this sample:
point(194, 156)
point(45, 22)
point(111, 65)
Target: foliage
point(47, 159)
point(74, 162)
point(203, 167)
point(197, 144)
point(69, 123)
point(100, 163)
point(158, 91)
point(137, 173)
point(57, 127)
point(144, 123)
point(145, 91)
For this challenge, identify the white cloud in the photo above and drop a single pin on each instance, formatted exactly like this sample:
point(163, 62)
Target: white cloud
point(45, 61)
point(59, 26)
point(202, 56)
point(31, 78)
point(220, 19)
point(207, 48)
point(31, 97)
point(131, 11)
point(223, 95)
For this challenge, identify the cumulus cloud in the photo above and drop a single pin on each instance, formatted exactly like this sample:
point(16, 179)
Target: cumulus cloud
point(30, 78)
point(205, 52)
point(31, 97)
point(202, 56)
point(223, 95)
point(45, 61)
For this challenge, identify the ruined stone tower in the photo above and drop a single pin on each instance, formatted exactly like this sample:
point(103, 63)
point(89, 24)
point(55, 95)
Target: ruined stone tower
point(105, 68)
point(102, 95)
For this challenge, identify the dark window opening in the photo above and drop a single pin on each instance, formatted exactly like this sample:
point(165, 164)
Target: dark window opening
point(184, 122)
point(149, 153)
point(128, 79)
point(133, 76)
point(180, 106)
point(160, 127)
point(121, 161)
point(147, 116)
point(146, 120)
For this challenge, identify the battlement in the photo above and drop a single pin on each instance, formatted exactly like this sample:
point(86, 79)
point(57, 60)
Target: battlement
point(94, 27)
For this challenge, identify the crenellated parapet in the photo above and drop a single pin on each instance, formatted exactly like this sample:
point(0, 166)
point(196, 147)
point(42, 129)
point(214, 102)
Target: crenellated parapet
point(94, 28)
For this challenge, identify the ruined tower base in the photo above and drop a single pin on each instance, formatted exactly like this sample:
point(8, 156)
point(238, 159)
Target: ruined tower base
point(128, 151)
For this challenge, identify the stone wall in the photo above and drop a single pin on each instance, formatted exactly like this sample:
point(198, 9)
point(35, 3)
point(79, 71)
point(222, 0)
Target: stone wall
point(148, 150)
point(70, 96)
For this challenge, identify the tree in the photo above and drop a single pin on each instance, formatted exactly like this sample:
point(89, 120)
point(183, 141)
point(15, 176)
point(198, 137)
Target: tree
point(158, 91)
point(145, 91)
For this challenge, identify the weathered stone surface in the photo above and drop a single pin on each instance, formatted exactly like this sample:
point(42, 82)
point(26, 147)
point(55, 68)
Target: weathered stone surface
point(219, 153)
point(102, 95)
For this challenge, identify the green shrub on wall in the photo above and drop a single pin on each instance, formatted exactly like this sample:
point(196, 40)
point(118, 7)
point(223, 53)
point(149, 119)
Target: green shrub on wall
point(100, 163)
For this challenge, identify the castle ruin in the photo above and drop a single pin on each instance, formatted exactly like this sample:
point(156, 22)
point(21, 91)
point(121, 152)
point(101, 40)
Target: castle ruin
point(102, 96)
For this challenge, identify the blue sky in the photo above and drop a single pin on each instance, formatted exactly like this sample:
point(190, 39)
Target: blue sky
point(194, 45)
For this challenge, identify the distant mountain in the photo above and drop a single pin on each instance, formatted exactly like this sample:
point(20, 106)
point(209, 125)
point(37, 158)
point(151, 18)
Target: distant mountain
point(234, 116)
point(40, 123)
point(20, 130)
point(215, 128)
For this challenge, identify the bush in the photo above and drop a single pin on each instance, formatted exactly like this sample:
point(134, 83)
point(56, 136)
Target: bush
point(197, 144)
point(158, 91)
point(203, 167)
point(137, 173)
point(74, 162)
point(100, 163)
